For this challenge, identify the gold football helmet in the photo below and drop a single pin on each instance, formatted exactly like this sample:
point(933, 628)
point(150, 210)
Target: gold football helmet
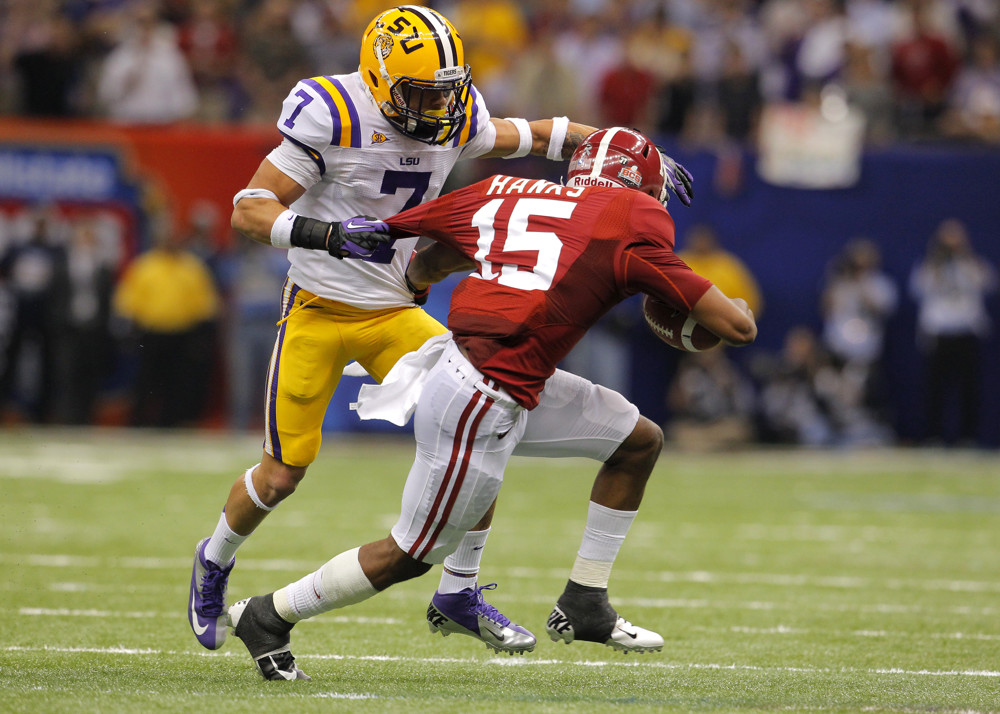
point(413, 61)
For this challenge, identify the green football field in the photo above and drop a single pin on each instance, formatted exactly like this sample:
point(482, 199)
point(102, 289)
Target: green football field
point(780, 580)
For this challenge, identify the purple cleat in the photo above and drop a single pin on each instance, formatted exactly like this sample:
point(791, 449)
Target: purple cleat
point(207, 608)
point(467, 613)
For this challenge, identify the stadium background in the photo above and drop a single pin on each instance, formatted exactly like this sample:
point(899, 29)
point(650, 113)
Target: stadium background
point(87, 160)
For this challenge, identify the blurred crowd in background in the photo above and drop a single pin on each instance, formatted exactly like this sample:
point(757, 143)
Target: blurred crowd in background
point(181, 335)
point(700, 69)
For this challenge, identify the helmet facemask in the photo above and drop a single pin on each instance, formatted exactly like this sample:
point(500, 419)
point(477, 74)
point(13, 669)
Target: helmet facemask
point(430, 111)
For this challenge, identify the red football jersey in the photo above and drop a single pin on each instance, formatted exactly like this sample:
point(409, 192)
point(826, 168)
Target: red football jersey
point(550, 261)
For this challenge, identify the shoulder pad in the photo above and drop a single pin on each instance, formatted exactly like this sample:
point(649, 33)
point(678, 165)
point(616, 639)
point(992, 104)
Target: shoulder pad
point(318, 113)
point(476, 117)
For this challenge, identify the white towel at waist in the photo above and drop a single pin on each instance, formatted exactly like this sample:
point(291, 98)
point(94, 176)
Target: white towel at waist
point(396, 398)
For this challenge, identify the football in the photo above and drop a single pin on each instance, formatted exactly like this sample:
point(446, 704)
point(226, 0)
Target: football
point(676, 327)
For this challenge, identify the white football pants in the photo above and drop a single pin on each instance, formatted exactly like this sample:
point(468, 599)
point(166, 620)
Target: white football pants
point(466, 429)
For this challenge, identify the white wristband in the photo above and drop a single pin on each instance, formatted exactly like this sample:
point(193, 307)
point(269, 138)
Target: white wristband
point(281, 229)
point(253, 193)
point(524, 138)
point(560, 125)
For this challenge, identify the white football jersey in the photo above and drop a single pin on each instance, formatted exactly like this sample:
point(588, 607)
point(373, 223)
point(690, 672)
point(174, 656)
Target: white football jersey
point(361, 165)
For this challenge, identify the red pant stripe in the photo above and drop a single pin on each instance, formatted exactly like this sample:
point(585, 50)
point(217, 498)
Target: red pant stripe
point(460, 478)
point(456, 451)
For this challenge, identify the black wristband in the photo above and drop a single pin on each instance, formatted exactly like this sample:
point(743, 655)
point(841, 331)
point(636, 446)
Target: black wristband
point(419, 296)
point(410, 285)
point(310, 233)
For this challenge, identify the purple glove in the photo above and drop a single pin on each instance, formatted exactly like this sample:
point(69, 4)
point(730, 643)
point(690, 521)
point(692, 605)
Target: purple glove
point(679, 179)
point(357, 237)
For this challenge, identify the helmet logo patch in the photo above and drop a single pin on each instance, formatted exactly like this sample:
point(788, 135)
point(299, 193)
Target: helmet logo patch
point(383, 45)
point(630, 176)
point(449, 74)
point(379, 138)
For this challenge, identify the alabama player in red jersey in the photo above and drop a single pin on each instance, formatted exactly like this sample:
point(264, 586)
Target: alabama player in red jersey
point(548, 261)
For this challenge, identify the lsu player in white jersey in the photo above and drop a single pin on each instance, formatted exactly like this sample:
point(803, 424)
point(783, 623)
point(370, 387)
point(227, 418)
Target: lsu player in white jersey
point(373, 142)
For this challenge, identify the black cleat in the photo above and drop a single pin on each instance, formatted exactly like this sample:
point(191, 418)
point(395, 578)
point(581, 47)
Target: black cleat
point(266, 636)
point(584, 613)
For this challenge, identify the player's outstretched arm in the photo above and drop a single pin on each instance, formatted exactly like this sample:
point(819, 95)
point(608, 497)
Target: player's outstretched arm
point(729, 318)
point(555, 138)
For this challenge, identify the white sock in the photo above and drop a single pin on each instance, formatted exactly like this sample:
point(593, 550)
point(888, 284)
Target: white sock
point(339, 583)
point(223, 544)
point(602, 539)
point(460, 569)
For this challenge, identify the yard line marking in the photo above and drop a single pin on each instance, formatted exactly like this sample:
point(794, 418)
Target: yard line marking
point(64, 612)
point(846, 582)
point(701, 604)
point(362, 620)
point(786, 630)
point(520, 662)
point(332, 695)
point(665, 576)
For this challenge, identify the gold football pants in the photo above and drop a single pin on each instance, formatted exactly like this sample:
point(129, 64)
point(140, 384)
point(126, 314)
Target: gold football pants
point(316, 339)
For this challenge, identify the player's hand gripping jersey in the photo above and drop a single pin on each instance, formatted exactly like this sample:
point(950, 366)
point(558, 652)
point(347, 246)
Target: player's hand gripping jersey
point(353, 162)
point(550, 261)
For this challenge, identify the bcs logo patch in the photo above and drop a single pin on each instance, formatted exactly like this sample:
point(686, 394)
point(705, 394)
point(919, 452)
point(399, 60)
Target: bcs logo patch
point(630, 176)
point(379, 138)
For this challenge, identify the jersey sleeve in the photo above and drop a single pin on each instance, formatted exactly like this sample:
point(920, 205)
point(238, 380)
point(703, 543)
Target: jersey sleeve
point(475, 138)
point(318, 113)
point(649, 264)
point(302, 122)
point(288, 158)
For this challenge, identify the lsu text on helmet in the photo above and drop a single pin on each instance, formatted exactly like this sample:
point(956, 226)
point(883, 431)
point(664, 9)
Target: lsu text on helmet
point(413, 61)
point(619, 157)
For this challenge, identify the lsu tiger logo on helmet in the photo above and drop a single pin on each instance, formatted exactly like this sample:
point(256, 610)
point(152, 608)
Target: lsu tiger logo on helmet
point(413, 62)
point(383, 45)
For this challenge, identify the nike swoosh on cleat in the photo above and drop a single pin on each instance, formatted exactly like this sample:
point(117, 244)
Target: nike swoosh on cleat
point(493, 628)
point(478, 547)
point(633, 635)
point(196, 625)
point(285, 675)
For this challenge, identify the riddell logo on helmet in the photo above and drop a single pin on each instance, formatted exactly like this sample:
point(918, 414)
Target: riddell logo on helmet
point(593, 181)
